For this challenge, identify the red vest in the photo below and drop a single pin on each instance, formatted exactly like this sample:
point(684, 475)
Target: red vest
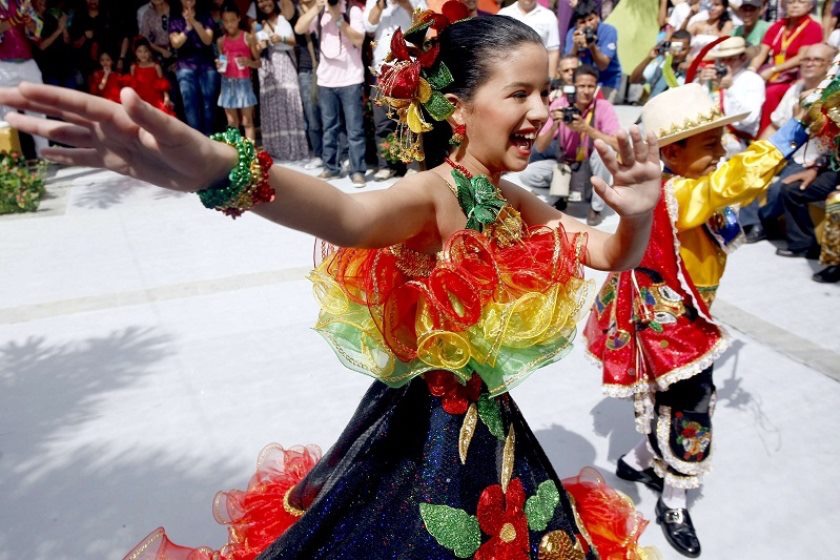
point(649, 326)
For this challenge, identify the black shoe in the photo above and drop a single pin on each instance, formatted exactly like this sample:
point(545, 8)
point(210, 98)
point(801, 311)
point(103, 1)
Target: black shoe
point(648, 477)
point(678, 529)
point(828, 275)
point(812, 253)
point(561, 204)
point(756, 234)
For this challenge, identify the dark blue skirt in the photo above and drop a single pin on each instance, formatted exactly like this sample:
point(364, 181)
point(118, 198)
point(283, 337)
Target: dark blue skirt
point(394, 486)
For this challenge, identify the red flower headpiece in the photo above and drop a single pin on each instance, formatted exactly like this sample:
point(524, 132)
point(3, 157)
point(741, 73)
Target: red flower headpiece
point(412, 79)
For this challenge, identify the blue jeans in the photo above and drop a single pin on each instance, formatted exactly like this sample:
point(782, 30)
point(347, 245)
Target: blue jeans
point(311, 112)
point(345, 100)
point(199, 90)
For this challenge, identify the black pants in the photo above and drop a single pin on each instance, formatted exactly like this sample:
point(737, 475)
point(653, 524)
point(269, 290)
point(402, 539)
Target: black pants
point(798, 224)
point(681, 434)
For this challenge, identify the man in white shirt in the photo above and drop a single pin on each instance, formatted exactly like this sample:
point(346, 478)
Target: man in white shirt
point(544, 22)
point(382, 18)
point(741, 90)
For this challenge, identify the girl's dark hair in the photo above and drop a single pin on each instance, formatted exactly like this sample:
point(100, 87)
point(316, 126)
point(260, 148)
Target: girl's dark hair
point(261, 17)
point(470, 49)
point(231, 7)
point(176, 7)
point(140, 41)
point(724, 17)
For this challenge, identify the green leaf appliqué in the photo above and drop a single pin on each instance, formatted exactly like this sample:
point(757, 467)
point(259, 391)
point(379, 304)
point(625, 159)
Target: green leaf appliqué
point(452, 528)
point(539, 509)
point(490, 414)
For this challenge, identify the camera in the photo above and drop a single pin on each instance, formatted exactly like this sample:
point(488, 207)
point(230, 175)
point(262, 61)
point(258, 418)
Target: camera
point(720, 69)
point(663, 47)
point(570, 111)
point(589, 35)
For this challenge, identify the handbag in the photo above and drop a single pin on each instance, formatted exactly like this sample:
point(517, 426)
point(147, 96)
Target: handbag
point(561, 179)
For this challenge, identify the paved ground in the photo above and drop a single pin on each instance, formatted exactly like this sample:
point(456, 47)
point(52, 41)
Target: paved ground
point(150, 348)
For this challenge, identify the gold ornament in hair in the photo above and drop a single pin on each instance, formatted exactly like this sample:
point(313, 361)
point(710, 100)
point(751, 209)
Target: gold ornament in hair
point(411, 80)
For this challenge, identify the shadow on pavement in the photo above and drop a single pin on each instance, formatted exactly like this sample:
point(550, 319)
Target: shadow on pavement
point(52, 487)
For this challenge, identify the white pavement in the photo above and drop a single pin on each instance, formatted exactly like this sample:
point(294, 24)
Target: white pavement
point(149, 348)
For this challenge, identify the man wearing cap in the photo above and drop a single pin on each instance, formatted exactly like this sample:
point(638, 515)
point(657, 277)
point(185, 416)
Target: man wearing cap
point(753, 28)
point(650, 327)
point(739, 90)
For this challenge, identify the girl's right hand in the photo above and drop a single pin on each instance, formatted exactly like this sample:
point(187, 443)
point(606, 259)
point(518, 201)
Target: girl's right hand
point(132, 138)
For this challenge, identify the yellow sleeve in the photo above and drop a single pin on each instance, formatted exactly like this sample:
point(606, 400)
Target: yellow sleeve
point(737, 181)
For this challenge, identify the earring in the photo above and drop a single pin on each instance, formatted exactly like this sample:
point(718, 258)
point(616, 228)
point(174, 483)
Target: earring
point(459, 133)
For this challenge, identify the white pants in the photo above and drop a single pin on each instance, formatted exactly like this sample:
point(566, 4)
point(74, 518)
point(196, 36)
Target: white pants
point(11, 75)
point(537, 177)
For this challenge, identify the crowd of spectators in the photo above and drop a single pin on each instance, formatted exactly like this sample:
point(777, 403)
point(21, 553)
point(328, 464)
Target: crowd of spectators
point(298, 76)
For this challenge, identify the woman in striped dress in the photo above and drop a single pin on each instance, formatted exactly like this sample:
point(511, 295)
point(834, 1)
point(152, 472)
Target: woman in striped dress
point(281, 112)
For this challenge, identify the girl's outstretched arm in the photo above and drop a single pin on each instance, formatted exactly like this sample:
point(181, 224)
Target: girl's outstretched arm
point(135, 139)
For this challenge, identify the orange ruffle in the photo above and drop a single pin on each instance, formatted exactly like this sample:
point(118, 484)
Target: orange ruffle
point(255, 517)
point(479, 305)
point(609, 517)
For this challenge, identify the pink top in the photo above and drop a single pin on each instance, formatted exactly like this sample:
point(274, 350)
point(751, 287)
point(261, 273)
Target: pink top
point(233, 48)
point(605, 120)
point(14, 45)
point(341, 62)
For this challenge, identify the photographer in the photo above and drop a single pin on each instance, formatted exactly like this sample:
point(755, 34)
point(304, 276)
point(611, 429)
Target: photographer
point(382, 18)
point(340, 76)
point(575, 121)
point(595, 44)
point(651, 70)
point(740, 90)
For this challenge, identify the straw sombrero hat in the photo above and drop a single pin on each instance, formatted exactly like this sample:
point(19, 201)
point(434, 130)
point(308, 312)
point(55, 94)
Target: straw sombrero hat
point(732, 46)
point(683, 111)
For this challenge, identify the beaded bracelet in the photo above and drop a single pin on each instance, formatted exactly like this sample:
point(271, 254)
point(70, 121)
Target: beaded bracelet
point(247, 183)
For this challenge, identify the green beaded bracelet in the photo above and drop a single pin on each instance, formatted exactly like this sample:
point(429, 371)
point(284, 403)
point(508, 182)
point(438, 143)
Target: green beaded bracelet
point(247, 183)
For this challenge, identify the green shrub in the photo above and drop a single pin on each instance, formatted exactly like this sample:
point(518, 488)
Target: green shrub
point(21, 183)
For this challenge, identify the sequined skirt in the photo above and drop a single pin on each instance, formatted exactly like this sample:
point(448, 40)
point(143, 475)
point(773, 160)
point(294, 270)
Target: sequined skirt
point(433, 470)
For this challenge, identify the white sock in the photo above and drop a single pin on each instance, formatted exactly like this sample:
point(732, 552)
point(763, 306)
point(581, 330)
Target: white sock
point(674, 497)
point(640, 457)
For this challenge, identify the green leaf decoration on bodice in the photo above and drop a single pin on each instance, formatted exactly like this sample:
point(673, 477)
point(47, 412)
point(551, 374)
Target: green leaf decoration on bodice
point(479, 199)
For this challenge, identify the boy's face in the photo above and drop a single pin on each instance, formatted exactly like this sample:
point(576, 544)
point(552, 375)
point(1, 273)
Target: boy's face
point(699, 156)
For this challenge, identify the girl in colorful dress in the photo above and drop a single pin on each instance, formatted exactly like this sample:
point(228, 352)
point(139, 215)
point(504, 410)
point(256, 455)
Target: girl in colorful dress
point(147, 78)
point(237, 55)
point(105, 82)
point(449, 289)
point(281, 112)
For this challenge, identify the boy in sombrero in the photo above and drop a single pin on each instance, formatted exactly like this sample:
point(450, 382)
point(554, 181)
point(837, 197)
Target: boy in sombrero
point(650, 327)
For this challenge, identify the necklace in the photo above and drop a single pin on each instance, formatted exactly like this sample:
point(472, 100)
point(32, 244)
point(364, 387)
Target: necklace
point(480, 200)
point(459, 167)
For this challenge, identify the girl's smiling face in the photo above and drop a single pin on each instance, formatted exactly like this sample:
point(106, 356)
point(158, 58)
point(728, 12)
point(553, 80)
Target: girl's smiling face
point(143, 54)
point(507, 111)
point(230, 21)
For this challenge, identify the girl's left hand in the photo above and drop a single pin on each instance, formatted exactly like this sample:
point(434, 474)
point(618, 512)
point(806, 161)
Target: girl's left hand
point(636, 178)
point(132, 138)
